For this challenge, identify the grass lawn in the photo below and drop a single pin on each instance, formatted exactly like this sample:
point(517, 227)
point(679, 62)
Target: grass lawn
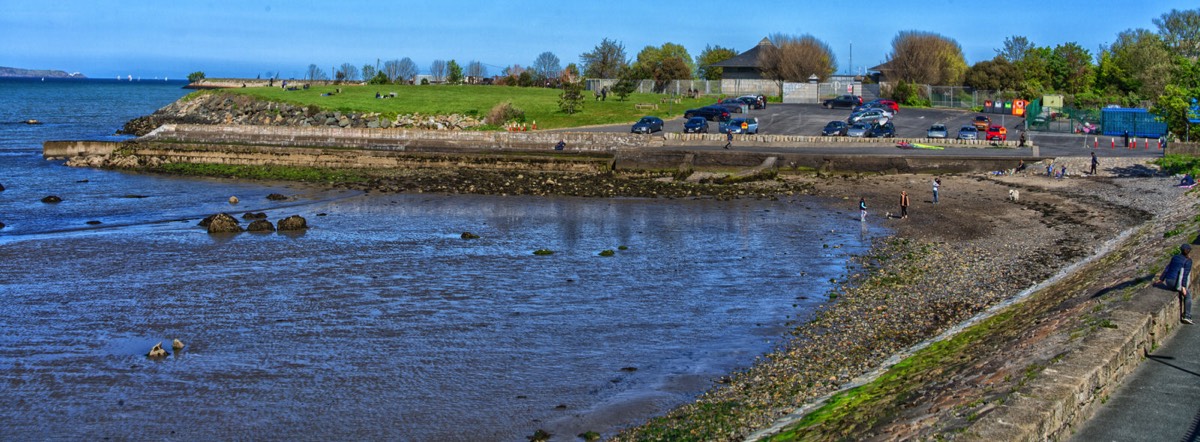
point(540, 104)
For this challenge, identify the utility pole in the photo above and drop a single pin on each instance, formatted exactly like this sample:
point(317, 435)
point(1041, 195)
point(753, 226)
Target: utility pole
point(851, 67)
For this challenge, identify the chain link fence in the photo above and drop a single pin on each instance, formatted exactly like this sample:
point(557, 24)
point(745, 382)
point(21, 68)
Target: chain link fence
point(673, 87)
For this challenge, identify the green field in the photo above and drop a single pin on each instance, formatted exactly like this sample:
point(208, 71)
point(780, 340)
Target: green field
point(540, 104)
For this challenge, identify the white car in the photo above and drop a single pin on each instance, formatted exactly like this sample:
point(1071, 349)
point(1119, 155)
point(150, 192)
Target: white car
point(870, 116)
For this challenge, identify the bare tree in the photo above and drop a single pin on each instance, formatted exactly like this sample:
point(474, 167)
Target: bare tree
point(796, 58)
point(547, 66)
point(348, 72)
point(406, 71)
point(476, 70)
point(368, 72)
point(437, 70)
point(315, 73)
point(391, 69)
point(920, 57)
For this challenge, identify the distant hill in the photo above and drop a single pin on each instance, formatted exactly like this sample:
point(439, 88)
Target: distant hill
point(6, 72)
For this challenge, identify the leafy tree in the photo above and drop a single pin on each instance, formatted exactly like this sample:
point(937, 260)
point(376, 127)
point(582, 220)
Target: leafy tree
point(454, 73)
point(570, 74)
point(626, 83)
point(379, 78)
point(1035, 69)
point(605, 61)
point(710, 56)
point(525, 79)
point(663, 64)
point(1071, 68)
point(1139, 62)
point(1015, 49)
point(437, 70)
point(547, 66)
point(994, 75)
point(1180, 30)
point(1176, 100)
point(348, 72)
point(796, 58)
point(571, 100)
point(368, 72)
point(926, 58)
point(195, 76)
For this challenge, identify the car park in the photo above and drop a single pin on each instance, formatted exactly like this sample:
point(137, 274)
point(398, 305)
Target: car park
point(937, 131)
point(884, 130)
point(981, 122)
point(849, 101)
point(870, 116)
point(735, 126)
point(710, 113)
point(996, 133)
point(647, 125)
point(697, 125)
point(858, 130)
point(835, 128)
point(968, 133)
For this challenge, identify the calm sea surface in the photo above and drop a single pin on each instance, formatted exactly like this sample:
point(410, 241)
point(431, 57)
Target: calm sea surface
point(379, 322)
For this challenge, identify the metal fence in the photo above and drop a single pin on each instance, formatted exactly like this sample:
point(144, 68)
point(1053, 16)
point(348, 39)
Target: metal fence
point(1063, 120)
point(673, 87)
point(964, 97)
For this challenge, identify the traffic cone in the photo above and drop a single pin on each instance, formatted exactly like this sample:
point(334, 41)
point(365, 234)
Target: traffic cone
point(1096, 142)
point(1114, 142)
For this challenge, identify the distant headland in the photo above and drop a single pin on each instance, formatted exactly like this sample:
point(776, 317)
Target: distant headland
point(6, 72)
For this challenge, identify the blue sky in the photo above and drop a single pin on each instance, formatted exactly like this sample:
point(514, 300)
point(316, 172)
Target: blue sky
point(246, 38)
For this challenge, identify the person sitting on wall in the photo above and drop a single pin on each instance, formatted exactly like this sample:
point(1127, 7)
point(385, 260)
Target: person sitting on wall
point(562, 144)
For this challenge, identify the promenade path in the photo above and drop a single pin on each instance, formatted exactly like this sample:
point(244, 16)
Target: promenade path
point(1160, 401)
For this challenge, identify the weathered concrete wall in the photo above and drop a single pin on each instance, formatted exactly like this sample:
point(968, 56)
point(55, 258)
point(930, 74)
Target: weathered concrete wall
point(67, 149)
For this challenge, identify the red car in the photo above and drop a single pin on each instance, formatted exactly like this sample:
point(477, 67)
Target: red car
point(895, 107)
point(996, 133)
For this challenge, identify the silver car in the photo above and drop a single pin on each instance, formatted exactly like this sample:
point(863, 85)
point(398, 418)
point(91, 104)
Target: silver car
point(937, 131)
point(870, 116)
point(968, 133)
point(858, 130)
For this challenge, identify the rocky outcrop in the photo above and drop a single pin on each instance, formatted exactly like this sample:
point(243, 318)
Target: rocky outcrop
point(52, 199)
point(230, 108)
point(261, 225)
point(221, 223)
point(294, 222)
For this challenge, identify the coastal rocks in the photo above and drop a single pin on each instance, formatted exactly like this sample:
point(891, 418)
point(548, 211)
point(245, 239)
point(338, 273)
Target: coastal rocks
point(1, 187)
point(222, 223)
point(177, 345)
point(1, 225)
point(52, 199)
point(294, 222)
point(277, 197)
point(157, 352)
point(469, 235)
point(253, 216)
point(261, 226)
point(32, 122)
point(233, 200)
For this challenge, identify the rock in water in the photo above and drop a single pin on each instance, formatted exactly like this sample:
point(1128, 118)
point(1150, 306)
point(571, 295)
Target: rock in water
point(276, 197)
point(259, 215)
point(157, 352)
point(261, 225)
point(294, 222)
point(52, 199)
point(469, 235)
point(1, 225)
point(223, 223)
point(1, 187)
point(177, 345)
point(233, 200)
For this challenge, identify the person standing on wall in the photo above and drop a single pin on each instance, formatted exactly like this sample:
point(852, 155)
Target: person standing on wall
point(903, 204)
point(1177, 276)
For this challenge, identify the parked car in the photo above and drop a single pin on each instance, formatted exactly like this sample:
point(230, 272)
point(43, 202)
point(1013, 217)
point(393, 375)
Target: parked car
point(858, 130)
point(735, 126)
point(894, 106)
point(968, 133)
point(870, 116)
point(734, 105)
point(647, 125)
point(835, 128)
point(869, 106)
point(756, 101)
point(937, 131)
point(710, 113)
point(885, 130)
point(843, 101)
point(697, 125)
point(996, 133)
point(981, 122)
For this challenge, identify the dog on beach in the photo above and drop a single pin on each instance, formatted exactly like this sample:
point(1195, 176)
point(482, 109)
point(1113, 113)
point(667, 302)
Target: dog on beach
point(1014, 194)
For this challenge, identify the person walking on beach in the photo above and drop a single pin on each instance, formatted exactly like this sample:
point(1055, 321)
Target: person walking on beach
point(903, 204)
point(1178, 276)
point(862, 209)
point(937, 183)
point(728, 137)
point(1095, 162)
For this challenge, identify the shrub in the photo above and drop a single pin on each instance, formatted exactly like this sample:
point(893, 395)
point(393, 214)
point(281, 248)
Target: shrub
point(504, 113)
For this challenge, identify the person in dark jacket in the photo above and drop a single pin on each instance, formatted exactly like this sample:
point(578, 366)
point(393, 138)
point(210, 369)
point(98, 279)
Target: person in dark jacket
point(1177, 276)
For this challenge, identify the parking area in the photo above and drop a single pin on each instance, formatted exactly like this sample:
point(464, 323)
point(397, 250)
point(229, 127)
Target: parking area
point(809, 119)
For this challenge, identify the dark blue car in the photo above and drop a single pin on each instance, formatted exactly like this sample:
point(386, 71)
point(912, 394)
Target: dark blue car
point(647, 125)
point(696, 125)
point(710, 113)
point(835, 128)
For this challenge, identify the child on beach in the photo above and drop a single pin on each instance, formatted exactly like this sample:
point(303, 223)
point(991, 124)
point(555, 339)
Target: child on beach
point(862, 209)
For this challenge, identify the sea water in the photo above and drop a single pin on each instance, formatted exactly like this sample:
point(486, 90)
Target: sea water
point(380, 321)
